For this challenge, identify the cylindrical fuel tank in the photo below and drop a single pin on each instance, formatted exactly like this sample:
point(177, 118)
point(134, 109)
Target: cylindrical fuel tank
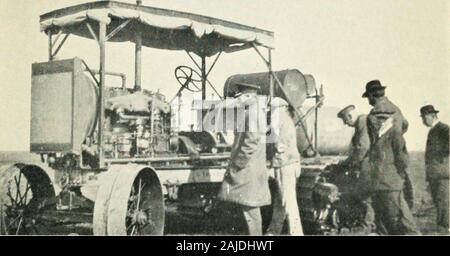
point(296, 85)
point(334, 138)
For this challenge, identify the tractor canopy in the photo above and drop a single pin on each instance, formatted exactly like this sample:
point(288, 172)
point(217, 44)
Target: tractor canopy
point(160, 28)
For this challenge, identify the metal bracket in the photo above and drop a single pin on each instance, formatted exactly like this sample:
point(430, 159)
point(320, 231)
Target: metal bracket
point(214, 63)
point(60, 45)
point(117, 30)
point(92, 32)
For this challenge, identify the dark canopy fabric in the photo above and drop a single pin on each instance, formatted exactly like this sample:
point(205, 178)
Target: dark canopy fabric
point(160, 28)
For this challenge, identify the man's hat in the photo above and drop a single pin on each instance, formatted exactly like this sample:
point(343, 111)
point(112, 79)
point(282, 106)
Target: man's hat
point(373, 86)
point(278, 102)
point(245, 86)
point(427, 110)
point(345, 110)
point(241, 87)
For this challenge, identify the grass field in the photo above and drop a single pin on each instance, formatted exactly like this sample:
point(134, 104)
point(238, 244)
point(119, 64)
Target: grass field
point(423, 210)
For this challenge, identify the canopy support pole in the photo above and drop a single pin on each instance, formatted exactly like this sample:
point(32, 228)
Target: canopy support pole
point(50, 45)
point(102, 42)
point(203, 70)
point(138, 62)
point(270, 70)
point(316, 121)
point(277, 81)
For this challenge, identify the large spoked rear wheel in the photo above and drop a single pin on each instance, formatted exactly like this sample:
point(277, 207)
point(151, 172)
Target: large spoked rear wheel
point(133, 206)
point(25, 191)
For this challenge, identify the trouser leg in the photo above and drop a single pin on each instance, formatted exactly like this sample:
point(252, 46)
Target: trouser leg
point(379, 210)
point(369, 214)
point(278, 210)
point(252, 217)
point(407, 222)
point(289, 181)
point(392, 211)
point(440, 194)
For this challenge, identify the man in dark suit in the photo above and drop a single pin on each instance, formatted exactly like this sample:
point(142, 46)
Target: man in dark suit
point(389, 162)
point(437, 165)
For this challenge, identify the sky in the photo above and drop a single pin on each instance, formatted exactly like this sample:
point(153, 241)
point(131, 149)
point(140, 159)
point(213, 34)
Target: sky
point(342, 43)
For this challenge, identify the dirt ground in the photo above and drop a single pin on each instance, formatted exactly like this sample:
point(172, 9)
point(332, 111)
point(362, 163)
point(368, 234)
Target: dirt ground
point(182, 225)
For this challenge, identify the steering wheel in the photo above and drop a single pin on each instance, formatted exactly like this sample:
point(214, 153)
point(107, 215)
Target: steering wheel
point(188, 78)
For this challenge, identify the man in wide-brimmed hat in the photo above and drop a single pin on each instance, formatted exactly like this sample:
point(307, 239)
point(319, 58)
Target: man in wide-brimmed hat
point(389, 161)
point(437, 165)
point(246, 179)
point(375, 93)
point(357, 162)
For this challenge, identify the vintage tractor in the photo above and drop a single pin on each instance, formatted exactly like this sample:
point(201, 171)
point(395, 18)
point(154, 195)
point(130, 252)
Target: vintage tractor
point(117, 163)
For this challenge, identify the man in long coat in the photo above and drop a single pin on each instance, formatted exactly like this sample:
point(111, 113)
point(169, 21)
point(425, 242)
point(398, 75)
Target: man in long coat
point(375, 93)
point(437, 165)
point(389, 162)
point(246, 178)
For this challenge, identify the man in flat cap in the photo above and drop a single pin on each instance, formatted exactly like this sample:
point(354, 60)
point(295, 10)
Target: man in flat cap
point(375, 93)
point(245, 181)
point(286, 165)
point(358, 161)
point(389, 162)
point(437, 165)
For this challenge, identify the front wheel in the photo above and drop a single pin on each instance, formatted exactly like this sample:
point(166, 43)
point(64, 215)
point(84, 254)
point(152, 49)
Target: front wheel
point(25, 192)
point(134, 206)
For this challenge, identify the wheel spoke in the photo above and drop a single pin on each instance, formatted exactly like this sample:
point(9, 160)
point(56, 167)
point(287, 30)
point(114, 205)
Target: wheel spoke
point(13, 221)
point(18, 226)
point(139, 194)
point(17, 187)
point(196, 87)
point(26, 194)
point(8, 193)
point(130, 226)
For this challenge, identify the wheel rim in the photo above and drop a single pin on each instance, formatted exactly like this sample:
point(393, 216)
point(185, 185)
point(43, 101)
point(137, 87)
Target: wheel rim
point(136, 204)
point(24, 189)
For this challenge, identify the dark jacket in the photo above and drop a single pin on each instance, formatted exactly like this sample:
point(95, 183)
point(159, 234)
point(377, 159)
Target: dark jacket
point(360, 144)
point(246, 179)
point(383, 104)
point(284, 136)
point(436, 153)
point(389, 161)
